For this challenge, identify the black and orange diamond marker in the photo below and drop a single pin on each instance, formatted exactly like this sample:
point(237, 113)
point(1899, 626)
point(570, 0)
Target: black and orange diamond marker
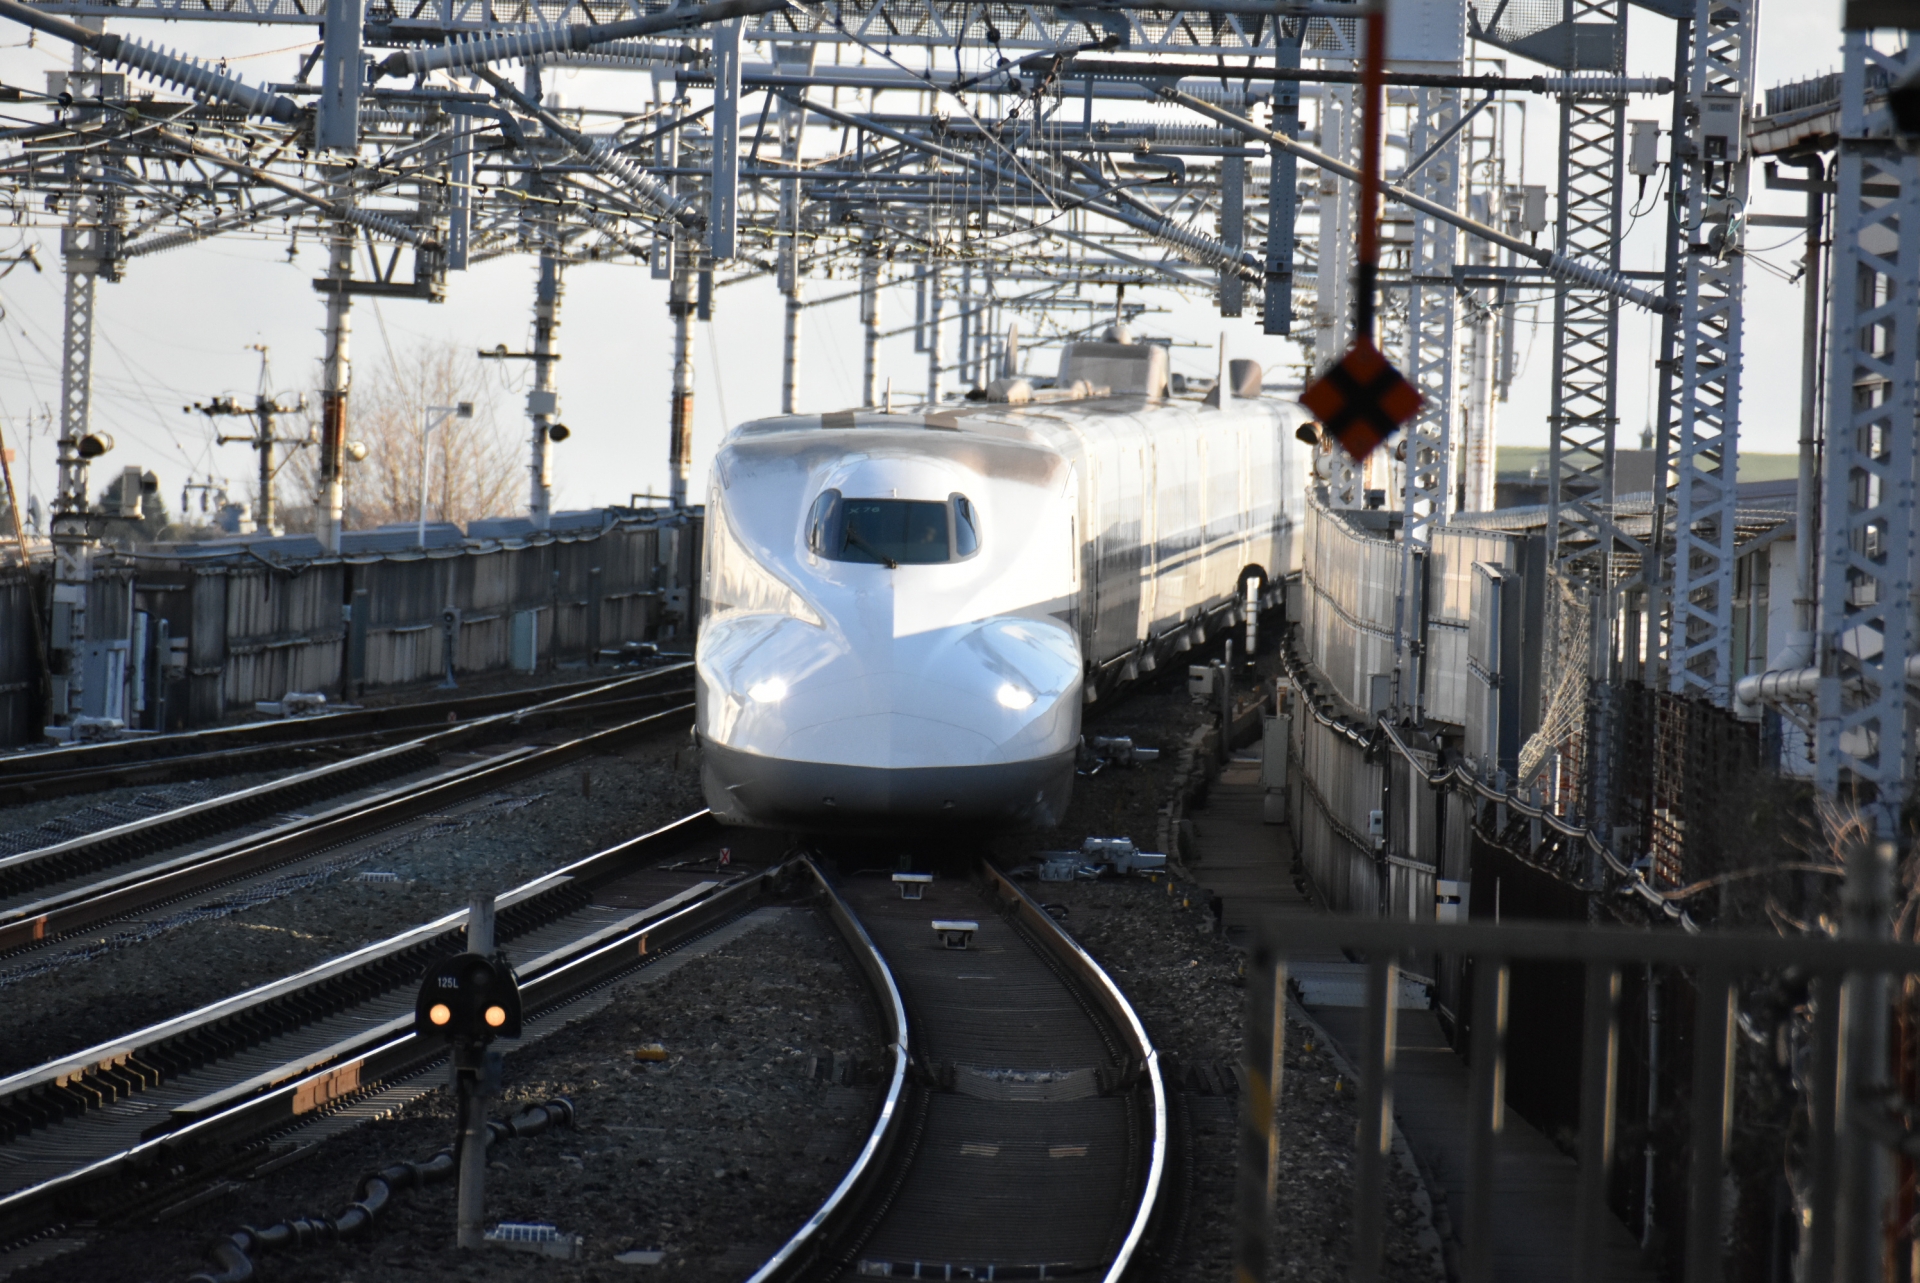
point(1363, 400)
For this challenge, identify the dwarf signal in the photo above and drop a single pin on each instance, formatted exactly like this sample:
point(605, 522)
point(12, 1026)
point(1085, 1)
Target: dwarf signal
point(468, 996)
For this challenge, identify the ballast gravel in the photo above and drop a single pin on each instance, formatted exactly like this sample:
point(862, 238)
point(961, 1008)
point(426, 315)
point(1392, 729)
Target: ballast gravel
point(85, 990)
point(712, 1157)
point(1156, 939)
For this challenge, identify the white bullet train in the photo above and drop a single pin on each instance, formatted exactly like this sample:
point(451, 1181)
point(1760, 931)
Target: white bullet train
point(902, 614)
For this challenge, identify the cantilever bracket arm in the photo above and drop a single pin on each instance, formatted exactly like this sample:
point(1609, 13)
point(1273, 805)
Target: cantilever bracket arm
point(1552, 262)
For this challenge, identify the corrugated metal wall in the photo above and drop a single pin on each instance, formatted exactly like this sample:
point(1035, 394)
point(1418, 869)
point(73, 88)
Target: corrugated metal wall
point(1351, 578)
point(1449, 608)
point(1335, 789)
point(182, 641)
point(19, 657)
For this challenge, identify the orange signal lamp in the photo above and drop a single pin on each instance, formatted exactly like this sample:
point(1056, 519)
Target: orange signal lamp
point(440, 1013)
point(496, 1016)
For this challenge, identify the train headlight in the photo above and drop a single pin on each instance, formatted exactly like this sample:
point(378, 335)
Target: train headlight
point(495, 1017)
point(440, 1013)
point(769, 691)
point(1013, 697)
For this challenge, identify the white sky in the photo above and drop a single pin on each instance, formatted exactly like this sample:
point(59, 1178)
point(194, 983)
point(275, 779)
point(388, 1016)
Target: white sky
point(178, 327)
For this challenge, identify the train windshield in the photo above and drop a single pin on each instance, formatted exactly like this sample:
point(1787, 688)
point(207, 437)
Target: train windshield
point(892, 532)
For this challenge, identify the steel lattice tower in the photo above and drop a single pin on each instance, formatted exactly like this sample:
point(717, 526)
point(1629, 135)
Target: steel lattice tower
point(1873, 388)
point(1586, 322)
point(1711, 168)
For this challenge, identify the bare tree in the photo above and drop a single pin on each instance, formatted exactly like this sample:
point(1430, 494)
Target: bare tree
point(473, 465)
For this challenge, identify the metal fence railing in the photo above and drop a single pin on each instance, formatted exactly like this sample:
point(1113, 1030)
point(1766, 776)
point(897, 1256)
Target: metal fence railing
point(1856, 1122)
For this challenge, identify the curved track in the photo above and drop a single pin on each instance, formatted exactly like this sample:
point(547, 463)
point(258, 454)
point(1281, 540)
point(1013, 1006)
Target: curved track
point(130, 1123)
point(1024, 1135)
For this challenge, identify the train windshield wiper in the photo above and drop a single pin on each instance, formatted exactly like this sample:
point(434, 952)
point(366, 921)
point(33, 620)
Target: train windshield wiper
point(854, 538)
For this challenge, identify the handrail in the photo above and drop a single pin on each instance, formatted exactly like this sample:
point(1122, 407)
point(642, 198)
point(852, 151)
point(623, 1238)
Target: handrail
point(790, 1256)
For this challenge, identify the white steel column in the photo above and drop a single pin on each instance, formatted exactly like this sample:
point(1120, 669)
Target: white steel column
point(1333, 296)
point(934, 345)
point(680, 405)
point(1873, 382)
point(543, 401)
point(84, 249)
point(1478, 404)
point(870, 325)
point(1586, 321)
point(1432, 308)
point(1706, 453)
point(336, 377)
point(793, 122)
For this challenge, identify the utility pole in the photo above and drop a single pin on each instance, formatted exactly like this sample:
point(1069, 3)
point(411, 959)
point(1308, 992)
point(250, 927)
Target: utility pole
point(89, 250)
point(543, 402)
point(265, 408)
point(336, 372)
point(792, 125)
point(680, 402)
point(870, 322)
point(934, 344)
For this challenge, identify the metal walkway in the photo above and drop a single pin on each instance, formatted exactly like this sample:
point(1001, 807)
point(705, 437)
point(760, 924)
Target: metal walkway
point(1245, 861)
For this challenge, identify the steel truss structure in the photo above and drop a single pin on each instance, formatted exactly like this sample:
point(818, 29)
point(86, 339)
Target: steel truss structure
point(1865, 732)
point(1710, 172)
point(1586, 322)
point(1432, 358)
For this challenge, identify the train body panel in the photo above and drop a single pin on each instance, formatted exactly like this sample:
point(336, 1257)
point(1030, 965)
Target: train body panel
point(903, 614)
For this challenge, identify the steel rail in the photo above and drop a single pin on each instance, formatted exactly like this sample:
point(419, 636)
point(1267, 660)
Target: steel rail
point(275, 753)
point(29, 870)
point(205, 1135)
point(1114, 1002)
point(144, 889)
point(883, 1174)
point(341, 723)
point(800, 1252)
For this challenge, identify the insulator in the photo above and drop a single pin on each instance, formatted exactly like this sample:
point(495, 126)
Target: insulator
point(381, 223)
point(1217, 94)
point(1194, 136)
point(606, 158)
point(190, 74)
point(1602, 86)
point(1601, 278)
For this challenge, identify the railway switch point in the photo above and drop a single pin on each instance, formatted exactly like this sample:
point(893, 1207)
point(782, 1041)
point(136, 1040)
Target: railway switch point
point(955, 933)
point(913, 886)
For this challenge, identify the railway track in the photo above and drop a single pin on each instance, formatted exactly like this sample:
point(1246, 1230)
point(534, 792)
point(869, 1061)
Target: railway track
point(77, 885)
point(1024, 1131)
point(131, 1124)
point(298, 741)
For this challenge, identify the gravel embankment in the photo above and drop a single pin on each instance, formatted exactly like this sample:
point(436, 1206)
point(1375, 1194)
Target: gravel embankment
point(80, 992)
point(713, 1157)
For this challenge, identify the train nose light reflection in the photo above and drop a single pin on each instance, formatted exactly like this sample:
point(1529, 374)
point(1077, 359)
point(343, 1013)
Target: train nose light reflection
point(770, 691)
point(1011, 696)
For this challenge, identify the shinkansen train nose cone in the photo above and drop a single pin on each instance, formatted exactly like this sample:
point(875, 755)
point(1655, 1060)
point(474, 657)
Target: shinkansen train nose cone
point(974, 722)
